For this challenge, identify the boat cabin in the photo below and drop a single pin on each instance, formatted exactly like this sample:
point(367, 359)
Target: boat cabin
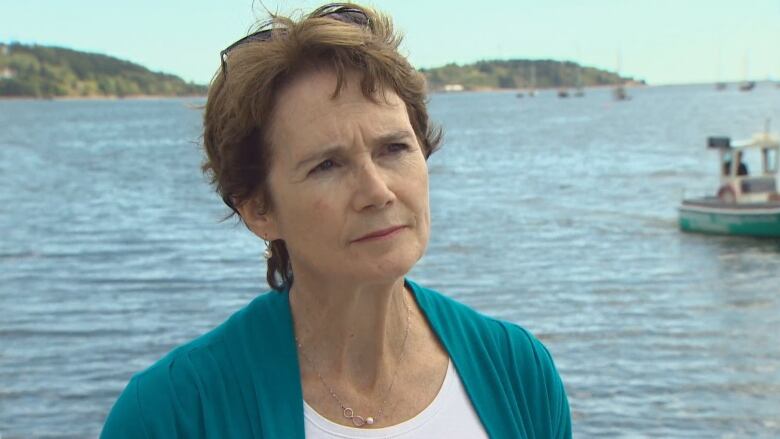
point(748, 169)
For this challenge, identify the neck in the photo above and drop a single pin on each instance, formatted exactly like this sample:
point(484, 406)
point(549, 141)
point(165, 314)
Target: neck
point(351, 332)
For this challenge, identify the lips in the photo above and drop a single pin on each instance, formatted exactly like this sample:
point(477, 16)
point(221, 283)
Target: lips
point(379, 233)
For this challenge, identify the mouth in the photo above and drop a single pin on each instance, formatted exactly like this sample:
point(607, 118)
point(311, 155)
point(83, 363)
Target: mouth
point(380, 234)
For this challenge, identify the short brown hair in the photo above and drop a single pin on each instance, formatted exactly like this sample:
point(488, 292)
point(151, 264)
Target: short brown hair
point(242, 95)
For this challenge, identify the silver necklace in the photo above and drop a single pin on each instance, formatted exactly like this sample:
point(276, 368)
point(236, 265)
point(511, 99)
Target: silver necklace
point(348, 412)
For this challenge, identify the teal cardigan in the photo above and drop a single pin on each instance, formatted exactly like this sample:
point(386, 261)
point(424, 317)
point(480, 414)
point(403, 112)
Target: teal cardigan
point(242, 378)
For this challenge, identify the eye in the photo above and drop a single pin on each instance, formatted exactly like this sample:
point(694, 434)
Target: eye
point(325, 165)
point(395, 148)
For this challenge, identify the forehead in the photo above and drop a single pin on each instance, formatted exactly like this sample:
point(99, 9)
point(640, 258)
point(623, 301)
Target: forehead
point(307, 113)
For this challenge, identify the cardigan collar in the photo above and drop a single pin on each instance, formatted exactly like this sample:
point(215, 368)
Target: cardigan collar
point(276, 371)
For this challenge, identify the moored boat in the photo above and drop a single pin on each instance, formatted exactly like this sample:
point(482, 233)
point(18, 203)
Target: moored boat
point(745, 204)
point(747, 86)
point(619, 93)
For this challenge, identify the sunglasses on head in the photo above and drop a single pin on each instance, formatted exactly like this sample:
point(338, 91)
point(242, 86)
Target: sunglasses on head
point(337, 11)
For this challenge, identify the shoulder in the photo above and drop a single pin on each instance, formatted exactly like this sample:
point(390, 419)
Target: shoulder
point(450, 316)
point(501, 357)
point(161, 400)
point(168, 397)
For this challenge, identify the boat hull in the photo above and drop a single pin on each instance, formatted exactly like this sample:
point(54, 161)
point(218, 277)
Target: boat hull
point(714, 217)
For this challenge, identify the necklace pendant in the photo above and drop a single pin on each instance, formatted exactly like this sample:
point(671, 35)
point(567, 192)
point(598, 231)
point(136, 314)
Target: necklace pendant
point(358, 421)
point(370, 420)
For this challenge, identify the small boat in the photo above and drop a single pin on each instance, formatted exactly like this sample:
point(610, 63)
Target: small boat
point(745, 204)
point(532, 91)
point(747, 86)
point(578, 91)
point(619, 93)
point(563, 93)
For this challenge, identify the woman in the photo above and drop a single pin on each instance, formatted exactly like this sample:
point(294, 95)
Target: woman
point(317, 136)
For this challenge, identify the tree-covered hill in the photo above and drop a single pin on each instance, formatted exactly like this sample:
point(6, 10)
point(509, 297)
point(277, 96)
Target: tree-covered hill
point(521, 73)
point(45, 72)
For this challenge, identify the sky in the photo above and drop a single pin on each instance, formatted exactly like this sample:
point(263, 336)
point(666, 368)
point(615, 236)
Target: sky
point(660, 41)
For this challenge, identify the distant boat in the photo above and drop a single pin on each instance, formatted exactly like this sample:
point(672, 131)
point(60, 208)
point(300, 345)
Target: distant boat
point(720, 85)
point(747, 84)
point(746, 204)
point(619, 93)
point(563, 93)
point(532, 91)
point(579, 92)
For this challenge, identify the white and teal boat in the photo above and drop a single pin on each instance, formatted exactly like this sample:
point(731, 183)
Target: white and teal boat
point(747, 201)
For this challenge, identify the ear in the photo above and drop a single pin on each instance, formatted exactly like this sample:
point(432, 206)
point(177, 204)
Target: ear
point(259, 220)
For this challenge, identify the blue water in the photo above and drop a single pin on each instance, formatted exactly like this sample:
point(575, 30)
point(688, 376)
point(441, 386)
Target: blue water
point(556, 214)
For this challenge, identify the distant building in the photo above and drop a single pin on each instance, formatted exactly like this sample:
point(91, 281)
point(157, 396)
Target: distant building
point(7, 73)
point(453, 87)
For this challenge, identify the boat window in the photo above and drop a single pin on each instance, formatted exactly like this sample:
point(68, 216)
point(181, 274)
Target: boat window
point(770, 161)
point(726, 168)
point(751, 162)
point(758, 185)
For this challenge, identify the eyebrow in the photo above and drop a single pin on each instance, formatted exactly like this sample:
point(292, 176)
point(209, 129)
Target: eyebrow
point(394, 136)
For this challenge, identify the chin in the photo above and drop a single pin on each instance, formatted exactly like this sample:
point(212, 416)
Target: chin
point(388, 267)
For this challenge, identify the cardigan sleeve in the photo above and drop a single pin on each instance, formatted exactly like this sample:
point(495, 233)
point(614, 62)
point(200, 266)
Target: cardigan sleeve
point(126, 420)
point(560, 403)
point(538, 386)
point(163, 401)
point(560, 416)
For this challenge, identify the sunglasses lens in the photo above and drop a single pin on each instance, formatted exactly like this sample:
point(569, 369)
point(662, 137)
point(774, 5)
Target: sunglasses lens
point(352, 16)
point(343, 14)
point(263, 35)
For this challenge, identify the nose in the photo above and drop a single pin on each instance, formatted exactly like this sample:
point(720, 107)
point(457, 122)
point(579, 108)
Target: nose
point(371, 187)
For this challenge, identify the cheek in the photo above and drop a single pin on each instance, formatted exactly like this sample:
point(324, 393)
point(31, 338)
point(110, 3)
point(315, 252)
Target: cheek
point(426, 217)
point(419, 194)
point(320, 206)
point(321, 215)
point(422, 184)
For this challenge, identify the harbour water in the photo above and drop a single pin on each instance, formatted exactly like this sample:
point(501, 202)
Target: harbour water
point(555, 214)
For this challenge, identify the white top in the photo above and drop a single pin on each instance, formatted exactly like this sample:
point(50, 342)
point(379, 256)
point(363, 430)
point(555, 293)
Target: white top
point(450, 415)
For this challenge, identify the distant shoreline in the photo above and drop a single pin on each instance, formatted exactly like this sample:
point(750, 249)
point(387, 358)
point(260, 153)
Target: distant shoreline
point(538, 89)
point(729, 84)
point(99, 98)
point(436, 91)
point(155, 97)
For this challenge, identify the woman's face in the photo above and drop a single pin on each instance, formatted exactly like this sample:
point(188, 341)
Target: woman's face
point(348, 182)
